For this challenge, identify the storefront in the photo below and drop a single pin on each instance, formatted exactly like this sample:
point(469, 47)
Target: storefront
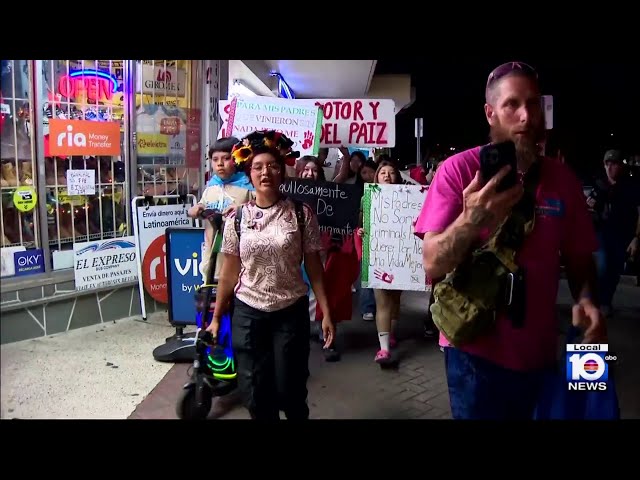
point(80, 139)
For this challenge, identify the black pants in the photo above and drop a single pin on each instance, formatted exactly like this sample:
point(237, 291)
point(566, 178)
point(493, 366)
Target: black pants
point(272, 353)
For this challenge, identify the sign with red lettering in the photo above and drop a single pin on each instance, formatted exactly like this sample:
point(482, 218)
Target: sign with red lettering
point(300, 120)
point(87, 86)
point(362, 122)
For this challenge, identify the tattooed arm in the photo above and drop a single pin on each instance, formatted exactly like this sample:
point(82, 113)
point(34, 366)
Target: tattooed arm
point(442, 252)
point(483, 207)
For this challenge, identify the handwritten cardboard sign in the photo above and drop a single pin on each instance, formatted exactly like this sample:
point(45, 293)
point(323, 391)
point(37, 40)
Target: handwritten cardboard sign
point(358, 123)
point(391, 253)
point(337, 205)
point(300, 120)
point(81, 182)
point(365, 122)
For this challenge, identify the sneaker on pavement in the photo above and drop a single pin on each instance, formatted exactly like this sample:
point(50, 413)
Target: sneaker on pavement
point(368, 317)
point(331, 355)
point(383, 357)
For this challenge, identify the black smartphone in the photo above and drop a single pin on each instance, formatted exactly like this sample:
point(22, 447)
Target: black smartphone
point(493, 158)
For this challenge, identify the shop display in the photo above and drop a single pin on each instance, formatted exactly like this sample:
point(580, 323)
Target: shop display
point(90, 91)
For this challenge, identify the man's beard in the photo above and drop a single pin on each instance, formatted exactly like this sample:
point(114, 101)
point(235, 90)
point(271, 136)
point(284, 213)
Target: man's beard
point(527, 150)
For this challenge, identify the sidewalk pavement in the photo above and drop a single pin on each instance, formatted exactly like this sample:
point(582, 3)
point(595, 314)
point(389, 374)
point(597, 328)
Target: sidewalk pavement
point(356, 388)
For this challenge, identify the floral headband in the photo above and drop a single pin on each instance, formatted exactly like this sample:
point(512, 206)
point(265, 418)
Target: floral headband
point(243, 150)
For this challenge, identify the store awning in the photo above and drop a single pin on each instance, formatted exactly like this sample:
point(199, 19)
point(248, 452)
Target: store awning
point(325, 78)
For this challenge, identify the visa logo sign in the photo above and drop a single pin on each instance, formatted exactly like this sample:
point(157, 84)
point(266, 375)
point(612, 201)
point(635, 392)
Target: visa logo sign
point(192, 264)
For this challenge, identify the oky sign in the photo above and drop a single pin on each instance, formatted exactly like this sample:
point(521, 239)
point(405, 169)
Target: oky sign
point(362, 122)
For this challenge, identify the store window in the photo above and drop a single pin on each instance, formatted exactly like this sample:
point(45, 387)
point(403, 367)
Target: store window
point(168, 131)
point(19, 215)
point(85, 159)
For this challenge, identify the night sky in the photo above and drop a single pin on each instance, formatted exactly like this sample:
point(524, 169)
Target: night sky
point(591, 101)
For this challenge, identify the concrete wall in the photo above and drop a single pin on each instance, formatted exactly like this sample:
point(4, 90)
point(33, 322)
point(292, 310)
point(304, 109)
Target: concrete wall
point(55, 308)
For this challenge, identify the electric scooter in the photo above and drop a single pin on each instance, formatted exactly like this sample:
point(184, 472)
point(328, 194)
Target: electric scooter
point(214, 369)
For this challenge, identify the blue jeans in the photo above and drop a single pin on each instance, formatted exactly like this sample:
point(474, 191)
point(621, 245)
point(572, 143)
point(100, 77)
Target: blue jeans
point(367, 301)
point(610, 260)
point(481, 390)
point(366, 298)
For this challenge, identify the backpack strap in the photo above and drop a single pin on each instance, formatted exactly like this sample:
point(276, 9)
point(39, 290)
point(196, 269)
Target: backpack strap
point(299, 206)
point(237, 221)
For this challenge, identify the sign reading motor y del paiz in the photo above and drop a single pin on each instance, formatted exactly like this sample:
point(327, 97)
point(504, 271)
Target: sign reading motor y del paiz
point(28, 262)
point(185, 248)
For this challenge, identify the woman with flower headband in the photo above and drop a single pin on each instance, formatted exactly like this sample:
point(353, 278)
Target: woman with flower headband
point(264, 246)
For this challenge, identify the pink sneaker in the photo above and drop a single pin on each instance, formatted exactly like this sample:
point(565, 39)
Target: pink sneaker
point(392, 341)
point(383, 356)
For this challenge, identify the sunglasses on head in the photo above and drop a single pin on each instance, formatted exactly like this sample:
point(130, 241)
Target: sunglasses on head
point(509, 67)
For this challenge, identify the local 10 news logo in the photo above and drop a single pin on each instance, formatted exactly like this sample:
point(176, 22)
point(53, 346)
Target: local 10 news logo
point(588, 366)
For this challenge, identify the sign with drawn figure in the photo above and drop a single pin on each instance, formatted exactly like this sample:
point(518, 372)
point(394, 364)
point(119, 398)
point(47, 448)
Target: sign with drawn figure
point(362, 122)
point(366, 123)
point(300, 120)
point(391, 253)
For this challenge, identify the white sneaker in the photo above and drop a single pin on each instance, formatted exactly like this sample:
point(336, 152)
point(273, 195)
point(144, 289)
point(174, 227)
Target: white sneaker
point(368, 317)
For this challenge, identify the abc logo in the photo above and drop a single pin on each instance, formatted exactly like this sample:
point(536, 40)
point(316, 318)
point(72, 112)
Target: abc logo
point(587, 366)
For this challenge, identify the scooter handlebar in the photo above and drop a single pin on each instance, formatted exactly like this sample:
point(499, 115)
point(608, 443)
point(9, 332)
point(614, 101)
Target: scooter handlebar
point(213, 216)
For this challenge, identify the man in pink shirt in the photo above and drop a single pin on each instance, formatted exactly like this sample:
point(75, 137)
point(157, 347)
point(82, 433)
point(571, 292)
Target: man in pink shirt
point(498, 375)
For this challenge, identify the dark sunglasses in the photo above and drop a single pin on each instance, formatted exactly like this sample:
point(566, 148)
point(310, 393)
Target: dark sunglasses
point(509, 67)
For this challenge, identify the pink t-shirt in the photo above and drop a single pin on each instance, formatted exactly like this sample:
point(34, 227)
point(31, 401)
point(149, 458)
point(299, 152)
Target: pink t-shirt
point(563, 227)
point(270, 251)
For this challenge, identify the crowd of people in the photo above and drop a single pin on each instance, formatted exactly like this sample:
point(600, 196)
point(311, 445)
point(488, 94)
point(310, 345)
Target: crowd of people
point(273, 261)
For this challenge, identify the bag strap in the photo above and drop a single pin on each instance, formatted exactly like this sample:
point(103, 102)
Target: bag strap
point(237, 221)
point(299, 206)
point(510, 236)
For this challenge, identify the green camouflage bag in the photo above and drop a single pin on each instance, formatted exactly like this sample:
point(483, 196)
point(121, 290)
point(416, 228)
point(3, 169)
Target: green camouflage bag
point(467, 301)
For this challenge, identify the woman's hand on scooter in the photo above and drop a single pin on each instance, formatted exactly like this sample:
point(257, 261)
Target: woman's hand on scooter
point(194, 211)
point(213, 327)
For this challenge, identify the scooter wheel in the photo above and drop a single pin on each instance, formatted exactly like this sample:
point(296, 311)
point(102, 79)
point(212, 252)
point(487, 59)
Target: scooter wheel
point(188, 408)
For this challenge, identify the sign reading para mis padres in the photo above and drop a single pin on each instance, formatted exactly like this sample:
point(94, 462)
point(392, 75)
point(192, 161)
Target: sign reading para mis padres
point(83, 137)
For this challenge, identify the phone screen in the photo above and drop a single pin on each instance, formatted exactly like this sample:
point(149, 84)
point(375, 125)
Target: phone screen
point(493, 158)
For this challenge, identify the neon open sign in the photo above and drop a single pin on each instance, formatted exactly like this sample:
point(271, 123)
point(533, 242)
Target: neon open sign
point(95, 84)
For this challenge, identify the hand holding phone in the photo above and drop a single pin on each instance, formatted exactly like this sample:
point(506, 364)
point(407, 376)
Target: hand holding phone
point(483, 205)
point(493, 158)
